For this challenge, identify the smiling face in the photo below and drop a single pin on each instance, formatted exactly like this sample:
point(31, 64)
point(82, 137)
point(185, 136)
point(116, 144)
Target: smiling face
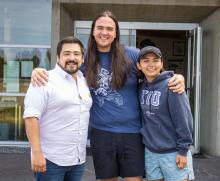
point(70, 58)
point(104, 33)
point(151, 65)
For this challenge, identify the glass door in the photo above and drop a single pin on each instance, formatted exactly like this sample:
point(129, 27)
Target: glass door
point(11, 122)
point(194, 81)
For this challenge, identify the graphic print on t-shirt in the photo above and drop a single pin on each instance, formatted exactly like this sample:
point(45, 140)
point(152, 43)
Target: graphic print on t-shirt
point(104, 90)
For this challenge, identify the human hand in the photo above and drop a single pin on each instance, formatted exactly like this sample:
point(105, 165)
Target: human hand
point(38, 162)
point(181, 161)
point(177, 83)
point(39, 77)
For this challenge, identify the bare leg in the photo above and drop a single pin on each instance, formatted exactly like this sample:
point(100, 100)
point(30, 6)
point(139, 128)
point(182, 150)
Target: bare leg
point(110, 179)
point(133, 179)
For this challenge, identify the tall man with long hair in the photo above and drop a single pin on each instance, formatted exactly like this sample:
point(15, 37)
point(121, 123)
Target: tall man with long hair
point(115, 116)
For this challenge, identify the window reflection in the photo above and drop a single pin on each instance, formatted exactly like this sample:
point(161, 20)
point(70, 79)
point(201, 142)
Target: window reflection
point(11, 123)
point(16, 65)
point(25, 22)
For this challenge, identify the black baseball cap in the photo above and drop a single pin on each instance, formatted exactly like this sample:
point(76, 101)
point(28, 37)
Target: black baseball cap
point(149, 49)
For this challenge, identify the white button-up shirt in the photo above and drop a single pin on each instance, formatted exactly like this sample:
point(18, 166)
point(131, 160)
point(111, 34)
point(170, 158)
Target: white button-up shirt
point(62, 107)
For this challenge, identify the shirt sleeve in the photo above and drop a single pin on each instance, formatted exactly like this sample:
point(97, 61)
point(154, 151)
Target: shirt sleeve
point(132, 53)
point(182, 119)
point(35, 101)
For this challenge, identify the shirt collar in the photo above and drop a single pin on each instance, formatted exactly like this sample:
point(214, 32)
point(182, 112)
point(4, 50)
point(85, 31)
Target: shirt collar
point(65, 74)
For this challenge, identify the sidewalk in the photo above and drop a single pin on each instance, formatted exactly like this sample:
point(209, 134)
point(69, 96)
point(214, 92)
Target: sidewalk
point(16, 167)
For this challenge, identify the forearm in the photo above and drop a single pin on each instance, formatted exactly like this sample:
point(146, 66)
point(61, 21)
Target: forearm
point(38, 161)
point(184, 127)
point(33, 133)
point(182, 120)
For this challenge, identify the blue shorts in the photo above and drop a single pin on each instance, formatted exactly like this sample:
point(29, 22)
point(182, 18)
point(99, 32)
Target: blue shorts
point(163, 166)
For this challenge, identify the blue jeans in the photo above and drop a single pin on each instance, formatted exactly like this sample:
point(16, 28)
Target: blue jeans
point(60, 173)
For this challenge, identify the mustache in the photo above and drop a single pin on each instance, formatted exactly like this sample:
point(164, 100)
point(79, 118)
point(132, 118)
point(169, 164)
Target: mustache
point(72, 61)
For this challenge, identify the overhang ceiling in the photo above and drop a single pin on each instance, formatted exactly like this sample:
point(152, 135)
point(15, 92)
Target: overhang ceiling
point(141, 13)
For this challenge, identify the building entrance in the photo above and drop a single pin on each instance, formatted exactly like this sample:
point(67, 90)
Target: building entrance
point(181, 47)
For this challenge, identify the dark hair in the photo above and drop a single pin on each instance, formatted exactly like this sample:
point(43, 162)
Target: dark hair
point(146, 42)
point(120, 65)
point(66, 40)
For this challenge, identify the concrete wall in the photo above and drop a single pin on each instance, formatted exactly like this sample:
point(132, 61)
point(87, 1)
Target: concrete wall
point(210, 97)
point(66, 23)
point(152, 2)
point(55, 27)
point(62, 25)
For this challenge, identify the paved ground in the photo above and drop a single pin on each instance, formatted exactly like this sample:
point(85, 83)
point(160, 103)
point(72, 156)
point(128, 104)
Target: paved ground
point(16, 167)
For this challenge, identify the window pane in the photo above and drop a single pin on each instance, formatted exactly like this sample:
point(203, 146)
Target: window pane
point(25, 22)
point(11, 123)
point(16, 65)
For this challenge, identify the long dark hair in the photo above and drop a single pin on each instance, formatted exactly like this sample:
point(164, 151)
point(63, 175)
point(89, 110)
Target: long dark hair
point(120, 65)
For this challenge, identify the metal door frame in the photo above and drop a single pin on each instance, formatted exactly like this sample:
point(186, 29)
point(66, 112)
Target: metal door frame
point(194, 79)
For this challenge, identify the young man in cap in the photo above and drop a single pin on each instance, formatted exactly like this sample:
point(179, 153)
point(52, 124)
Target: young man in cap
point(167, 122)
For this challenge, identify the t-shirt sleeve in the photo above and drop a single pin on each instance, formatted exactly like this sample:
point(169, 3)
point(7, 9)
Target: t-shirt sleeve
point(132, 53)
